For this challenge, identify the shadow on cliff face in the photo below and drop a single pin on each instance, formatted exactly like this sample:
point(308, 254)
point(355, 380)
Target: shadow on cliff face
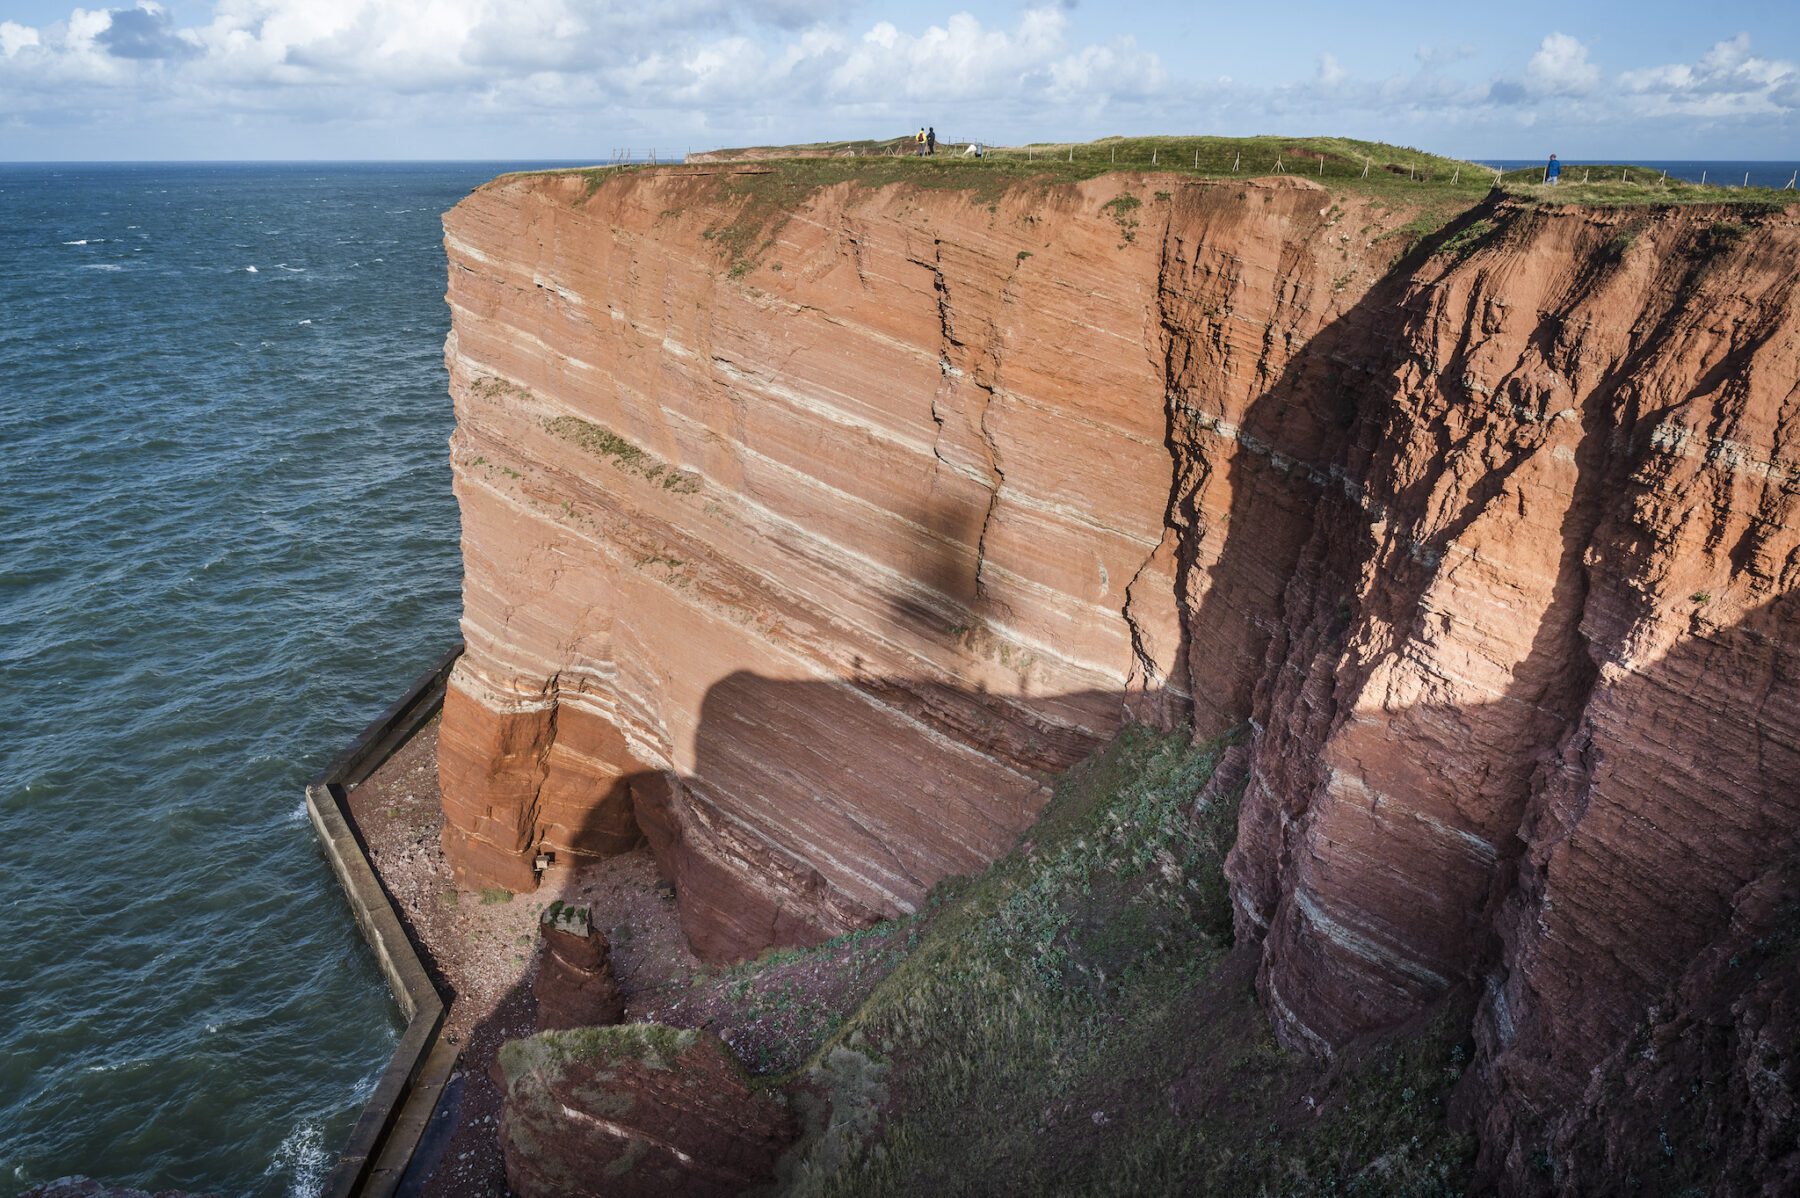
point(814, 808)
point(1370, 911)
point(1636, 1030)
point(1565, 846)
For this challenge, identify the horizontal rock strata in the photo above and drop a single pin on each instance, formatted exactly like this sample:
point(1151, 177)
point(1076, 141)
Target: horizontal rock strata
point(797, 563)
point(808, 531)
point(1529, 716)
point(575, 985)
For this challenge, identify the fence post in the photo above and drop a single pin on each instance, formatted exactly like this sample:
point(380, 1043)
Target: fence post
point(1703, 178)
point(1196, 159)
point(1456, 176)
point(1321, 166)
point(1152, 155)
point(1234, 162)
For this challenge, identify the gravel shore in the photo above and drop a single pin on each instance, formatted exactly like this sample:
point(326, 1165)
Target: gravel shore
point(483, 946)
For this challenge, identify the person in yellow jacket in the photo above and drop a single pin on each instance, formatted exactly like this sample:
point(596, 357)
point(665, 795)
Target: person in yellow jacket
point(919, 151)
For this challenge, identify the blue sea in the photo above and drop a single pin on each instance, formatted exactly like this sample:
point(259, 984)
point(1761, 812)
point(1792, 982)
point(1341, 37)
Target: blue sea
point(227, 540)
point(1713, 173)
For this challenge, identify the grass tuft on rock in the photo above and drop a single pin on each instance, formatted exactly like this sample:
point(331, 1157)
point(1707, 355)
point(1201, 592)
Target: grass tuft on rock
point(653, 1045)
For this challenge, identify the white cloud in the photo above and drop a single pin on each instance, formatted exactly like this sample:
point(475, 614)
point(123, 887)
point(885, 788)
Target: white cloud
point(372, 74)
point(15, 37)
point(1728, 80)
point(678, 63)
point(1561, 68)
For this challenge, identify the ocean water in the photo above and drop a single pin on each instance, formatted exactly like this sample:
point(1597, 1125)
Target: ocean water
point(227, 540)
point(1722, 173)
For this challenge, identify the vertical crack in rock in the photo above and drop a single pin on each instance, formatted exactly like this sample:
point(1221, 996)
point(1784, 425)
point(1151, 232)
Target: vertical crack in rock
point(959, 372)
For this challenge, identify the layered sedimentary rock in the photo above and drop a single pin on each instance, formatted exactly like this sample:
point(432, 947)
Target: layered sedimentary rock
point(806, 538)
point(1530, 711)
point(636, 1110)
point(575, 985)
point(818, 571)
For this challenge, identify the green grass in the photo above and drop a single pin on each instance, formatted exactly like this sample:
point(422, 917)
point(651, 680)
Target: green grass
point(609, 446)
point(1040, 1035)
point(490, 895)
point(761, 195)
point(1615, 185)
point(650, 1044)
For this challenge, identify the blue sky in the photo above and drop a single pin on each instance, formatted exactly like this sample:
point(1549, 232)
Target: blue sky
point(574, 78)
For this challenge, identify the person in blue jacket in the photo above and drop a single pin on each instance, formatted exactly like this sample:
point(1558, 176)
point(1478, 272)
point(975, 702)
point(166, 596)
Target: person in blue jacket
point(1553, 171)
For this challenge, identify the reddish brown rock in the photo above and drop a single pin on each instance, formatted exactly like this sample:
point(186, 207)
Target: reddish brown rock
point(1704, 1095)
point(637, 1109)
point(821, 570)
point(575, 986)
point(1530, 710)
point(811, 574)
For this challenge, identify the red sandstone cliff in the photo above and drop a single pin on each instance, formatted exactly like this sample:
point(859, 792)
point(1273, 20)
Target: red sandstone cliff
point(812, 572)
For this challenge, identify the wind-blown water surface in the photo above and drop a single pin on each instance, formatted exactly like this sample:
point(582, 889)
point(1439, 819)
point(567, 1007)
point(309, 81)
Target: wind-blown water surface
point(227, 540)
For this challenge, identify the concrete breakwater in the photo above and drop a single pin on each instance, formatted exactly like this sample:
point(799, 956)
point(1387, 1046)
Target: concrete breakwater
point(374, 1159)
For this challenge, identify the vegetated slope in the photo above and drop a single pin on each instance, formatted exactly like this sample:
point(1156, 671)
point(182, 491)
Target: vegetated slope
point(1073, 1021)
point(817, 512)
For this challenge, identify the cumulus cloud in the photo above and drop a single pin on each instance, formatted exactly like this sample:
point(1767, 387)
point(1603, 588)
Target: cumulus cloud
point(144, 32)
point(1561, 68)
point(1728, 80)
point(715, 72)
point(15, 37)
point(680, 61)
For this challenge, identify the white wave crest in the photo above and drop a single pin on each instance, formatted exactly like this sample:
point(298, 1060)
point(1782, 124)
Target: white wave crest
point(303, 1157)
point(250, 270)
point(100, 266)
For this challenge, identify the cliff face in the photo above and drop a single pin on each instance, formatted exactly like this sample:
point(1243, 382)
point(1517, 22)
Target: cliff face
point(811, 569)
point(800, 568)
point(1530, 713)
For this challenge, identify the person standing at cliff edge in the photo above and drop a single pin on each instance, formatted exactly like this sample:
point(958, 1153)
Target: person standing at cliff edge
point(919, 152)
point(1552, 171)
point(931, 140)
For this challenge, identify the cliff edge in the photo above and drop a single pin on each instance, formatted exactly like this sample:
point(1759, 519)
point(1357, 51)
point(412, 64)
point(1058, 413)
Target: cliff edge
point(809, 528)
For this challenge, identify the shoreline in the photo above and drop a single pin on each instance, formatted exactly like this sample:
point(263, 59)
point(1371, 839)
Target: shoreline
point(483, 951)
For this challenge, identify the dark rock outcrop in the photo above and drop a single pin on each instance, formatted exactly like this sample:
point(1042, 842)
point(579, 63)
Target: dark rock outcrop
point(575, 986)
point(636, 1110)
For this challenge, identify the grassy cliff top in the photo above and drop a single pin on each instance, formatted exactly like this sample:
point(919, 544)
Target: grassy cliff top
point(1335, 162)
point(766, 184)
